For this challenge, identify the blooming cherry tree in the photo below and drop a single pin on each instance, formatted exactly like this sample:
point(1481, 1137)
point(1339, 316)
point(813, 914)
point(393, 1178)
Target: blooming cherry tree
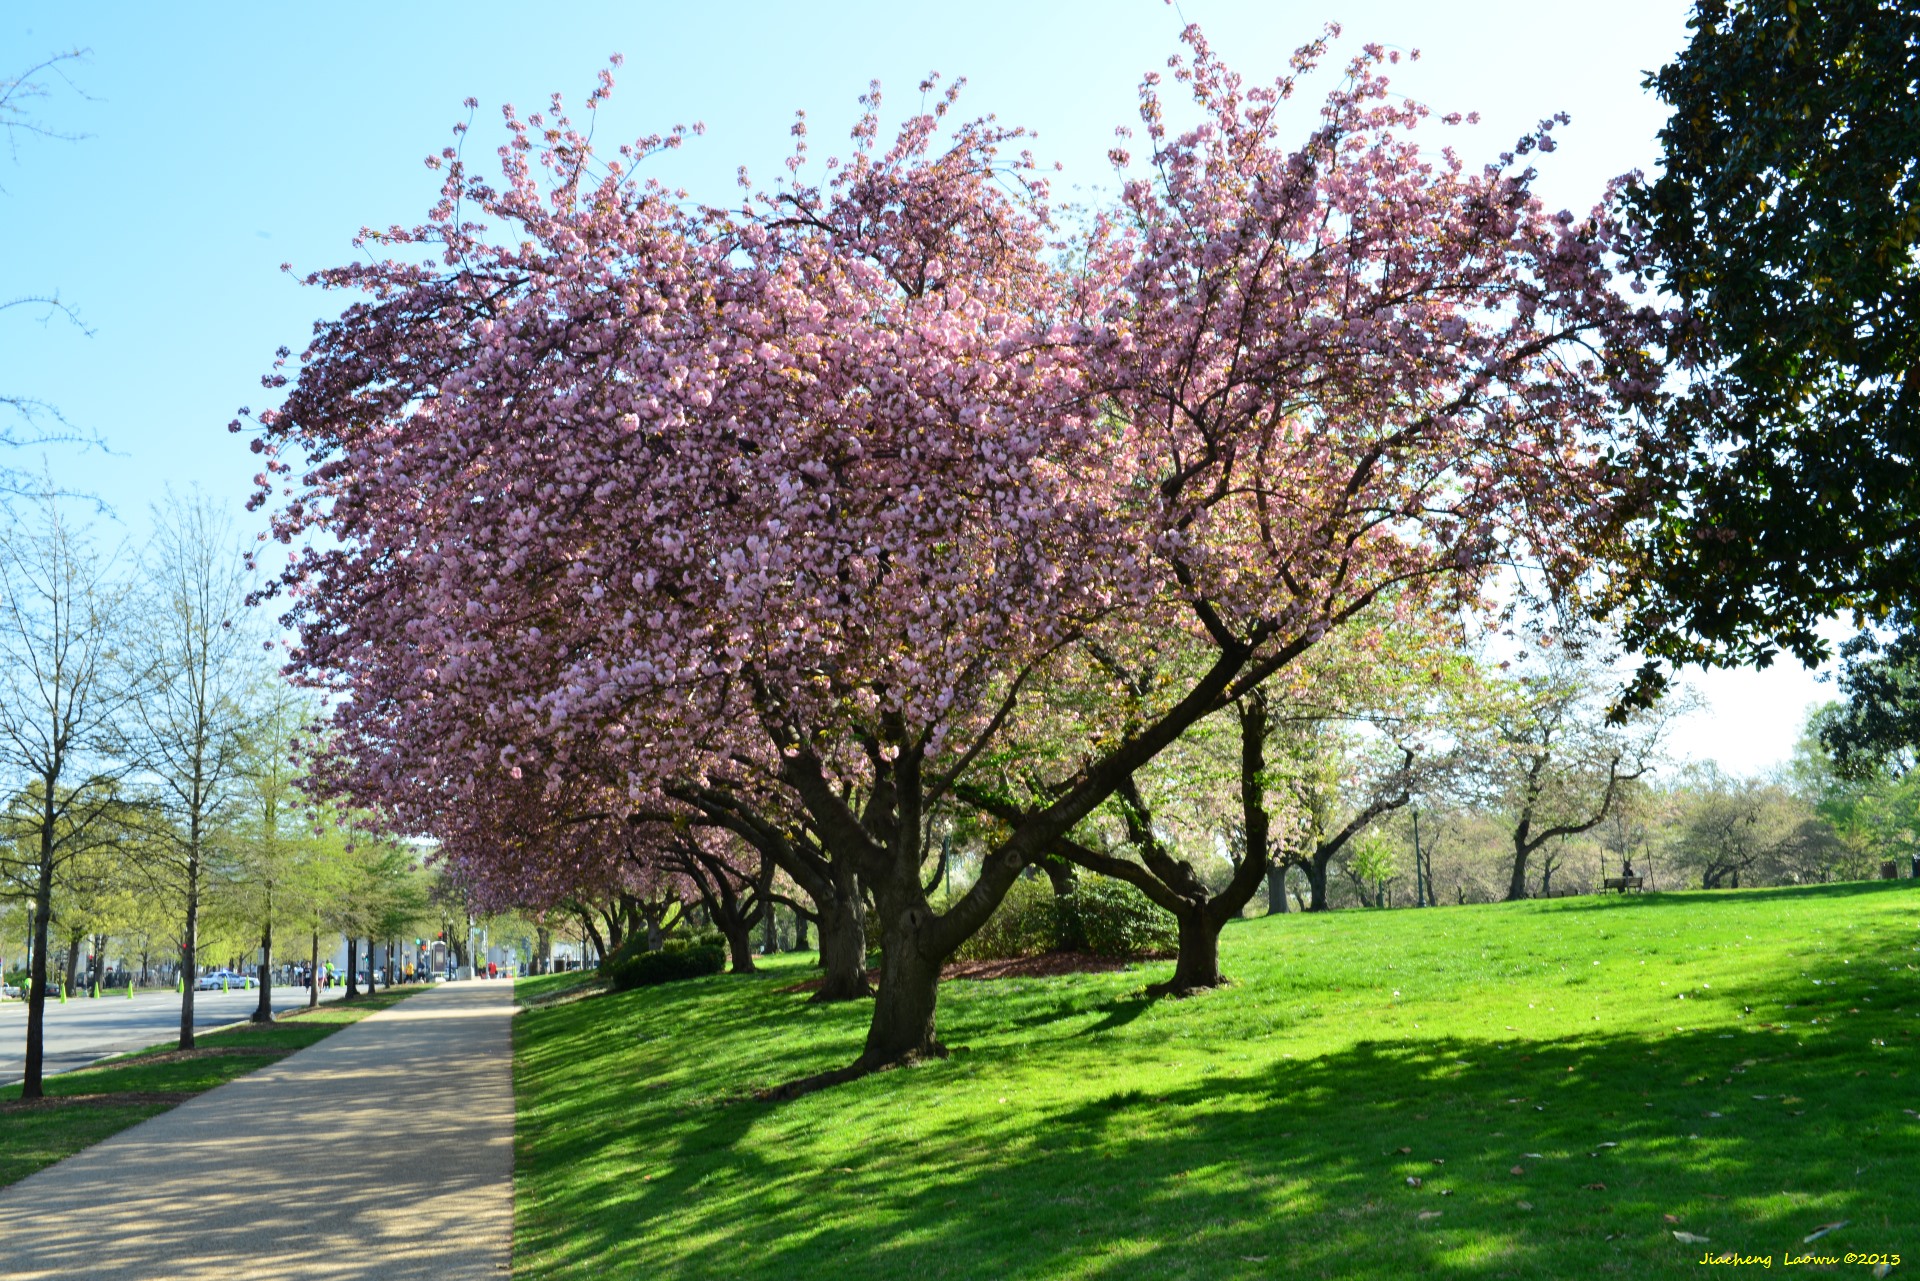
point(786, 513)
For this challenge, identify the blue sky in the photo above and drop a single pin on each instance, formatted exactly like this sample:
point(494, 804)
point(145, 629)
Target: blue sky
point(226, 139)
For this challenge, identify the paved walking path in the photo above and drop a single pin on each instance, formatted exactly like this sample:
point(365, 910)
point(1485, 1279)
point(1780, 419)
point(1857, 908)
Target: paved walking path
point(384, 1151)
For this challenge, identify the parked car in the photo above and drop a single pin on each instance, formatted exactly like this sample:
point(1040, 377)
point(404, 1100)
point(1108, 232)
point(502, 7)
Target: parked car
point(223, 980)
point(9, 992)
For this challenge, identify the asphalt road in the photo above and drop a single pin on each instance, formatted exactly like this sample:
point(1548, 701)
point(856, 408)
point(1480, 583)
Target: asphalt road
point(383, 1153)
point(85, 1029)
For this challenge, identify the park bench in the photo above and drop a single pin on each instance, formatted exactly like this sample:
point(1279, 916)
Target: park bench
point(1621, 883)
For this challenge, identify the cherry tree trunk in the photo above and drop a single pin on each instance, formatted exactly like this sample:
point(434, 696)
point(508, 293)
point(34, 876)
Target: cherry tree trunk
point(843, 950)
point(1517, 884)
point(902, 1030)
point(1276, 889)
point(739, 937)
point(1316, 870)
point(1061, 874)
point(1197, 967)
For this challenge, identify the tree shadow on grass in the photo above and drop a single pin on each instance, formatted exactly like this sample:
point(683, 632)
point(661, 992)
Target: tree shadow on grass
point(1562, 1157)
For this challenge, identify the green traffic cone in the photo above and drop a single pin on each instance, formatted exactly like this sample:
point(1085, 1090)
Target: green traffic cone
point(96, 991)
point(63, 994)
point(179, 983)
point(129, 987)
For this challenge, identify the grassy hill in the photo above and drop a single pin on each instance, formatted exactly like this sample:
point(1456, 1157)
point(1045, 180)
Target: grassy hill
point(1571, 1082)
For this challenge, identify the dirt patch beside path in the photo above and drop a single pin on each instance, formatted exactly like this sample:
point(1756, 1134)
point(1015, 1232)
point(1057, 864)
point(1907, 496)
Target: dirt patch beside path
point(130, 1099)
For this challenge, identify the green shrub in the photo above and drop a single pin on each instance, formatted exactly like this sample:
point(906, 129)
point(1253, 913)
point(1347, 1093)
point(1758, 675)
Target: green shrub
point(687, 957)
point(1109, 917)
point(1103, 916)
point(1027, 923)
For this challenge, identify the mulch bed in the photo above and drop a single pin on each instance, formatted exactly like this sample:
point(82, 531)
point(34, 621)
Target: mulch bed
point(1040, 967)
point(1013, 967)
point(130, 1099)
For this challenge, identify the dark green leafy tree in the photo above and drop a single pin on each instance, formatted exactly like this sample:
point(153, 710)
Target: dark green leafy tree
point(1786, 219)
point(1871, 802)
point(1877, 728)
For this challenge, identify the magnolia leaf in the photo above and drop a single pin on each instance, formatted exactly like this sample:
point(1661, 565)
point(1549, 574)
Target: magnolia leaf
point(1596, 1187)
point(1518, 1169)
point(1689, 1238)
point(1413, 1180)
point(1822, 1230)
point(1524, 1205)
point(1431, 1214)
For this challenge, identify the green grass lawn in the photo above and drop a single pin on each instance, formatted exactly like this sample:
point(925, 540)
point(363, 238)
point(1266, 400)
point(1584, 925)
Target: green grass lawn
point(94, 1103)
point(1570, 1082)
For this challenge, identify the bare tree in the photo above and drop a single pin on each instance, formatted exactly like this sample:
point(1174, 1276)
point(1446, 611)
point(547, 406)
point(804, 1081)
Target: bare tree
point(270, 805)
point(1561, 765)
point(64, 689)
point(21, 94)
point(194, 716)
point(32, 421)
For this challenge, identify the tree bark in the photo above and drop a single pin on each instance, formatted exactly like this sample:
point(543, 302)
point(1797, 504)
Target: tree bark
point(902, 1030)
point(313, 974)
point(34, 1068)
point(739, 936)
point(263, 1012)
point(353, 969)
point(190, 950)
point(1316, 870)
point(1197, 967)
point(1517, 883)
point(1276, 889)
point(800, 940)
point(1060, 873)
point(600, 945)
point(843, 950)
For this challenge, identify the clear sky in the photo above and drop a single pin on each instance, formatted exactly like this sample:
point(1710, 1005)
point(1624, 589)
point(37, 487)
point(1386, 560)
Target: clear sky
point(226, 139)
